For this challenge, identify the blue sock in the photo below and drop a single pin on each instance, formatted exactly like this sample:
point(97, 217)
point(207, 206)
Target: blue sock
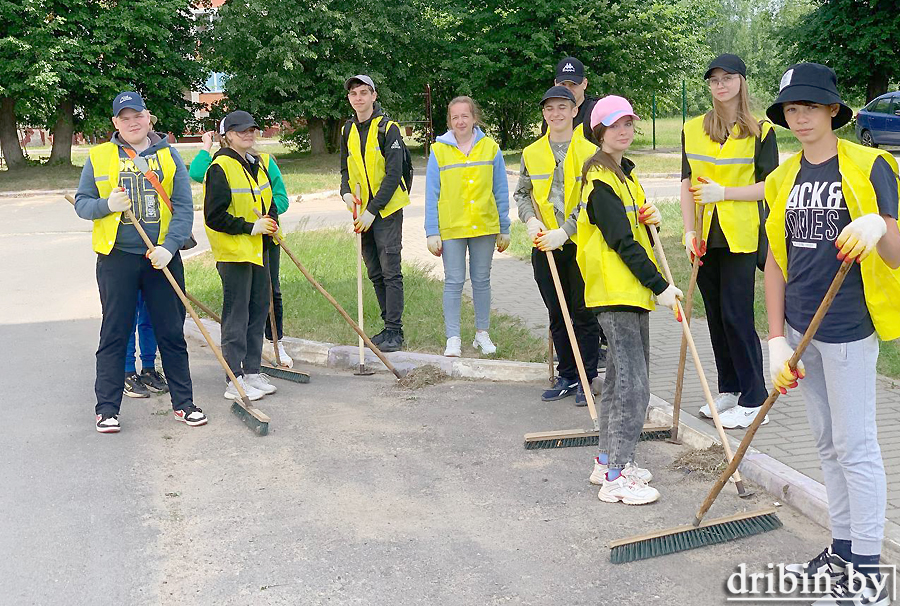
point(866, 564)
point(841, 547)
point(603, 458)
point(612, 473)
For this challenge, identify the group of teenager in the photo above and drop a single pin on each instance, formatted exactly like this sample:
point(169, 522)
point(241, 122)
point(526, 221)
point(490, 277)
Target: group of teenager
point(582, 202)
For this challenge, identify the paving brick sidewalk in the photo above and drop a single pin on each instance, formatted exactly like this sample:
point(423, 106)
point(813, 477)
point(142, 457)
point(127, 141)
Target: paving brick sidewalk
point(786, 437)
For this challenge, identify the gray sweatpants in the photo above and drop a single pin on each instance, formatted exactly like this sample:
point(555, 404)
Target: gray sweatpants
point(626, 388)
point(839, 390)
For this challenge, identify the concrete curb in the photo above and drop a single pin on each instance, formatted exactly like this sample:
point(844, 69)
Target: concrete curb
point(778, 479)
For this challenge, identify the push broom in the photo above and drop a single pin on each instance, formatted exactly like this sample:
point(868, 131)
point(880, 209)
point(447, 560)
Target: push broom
point(335, 304)
point(254, 418)
point(701, 533)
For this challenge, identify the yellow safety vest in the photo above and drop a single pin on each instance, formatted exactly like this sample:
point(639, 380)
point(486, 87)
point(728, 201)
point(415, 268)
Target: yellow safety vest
point(107, 164)
point(730, 165)
point(540, 162)
point(881, 284)
point(466, 206)
point(607, 279)
point(369, 174)
point(247, 194)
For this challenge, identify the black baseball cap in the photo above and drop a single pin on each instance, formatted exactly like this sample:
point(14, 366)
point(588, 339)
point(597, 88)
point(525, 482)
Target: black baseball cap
point(558, 92)
point(570, 69)
point(239, 121)
point(360, 79)
point(809, 82)
point(731, 64)
point(128, 100)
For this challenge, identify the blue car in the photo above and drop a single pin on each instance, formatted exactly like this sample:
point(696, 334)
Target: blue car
point(878, 123)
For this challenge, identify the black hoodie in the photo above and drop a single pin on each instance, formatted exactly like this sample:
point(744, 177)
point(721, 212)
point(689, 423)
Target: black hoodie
point(393, 160)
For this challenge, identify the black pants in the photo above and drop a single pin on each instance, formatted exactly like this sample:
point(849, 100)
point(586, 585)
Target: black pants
point(726, 281)
point(273, 260)
point(381, 247)
point(587, 328)
point(245, 307)
point(120, 276)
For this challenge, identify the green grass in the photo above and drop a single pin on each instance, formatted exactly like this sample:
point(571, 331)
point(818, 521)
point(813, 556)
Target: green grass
point(330, 255)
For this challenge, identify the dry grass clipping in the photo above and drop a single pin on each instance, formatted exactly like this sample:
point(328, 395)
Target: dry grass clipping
point(422, 376)
point(704, 465)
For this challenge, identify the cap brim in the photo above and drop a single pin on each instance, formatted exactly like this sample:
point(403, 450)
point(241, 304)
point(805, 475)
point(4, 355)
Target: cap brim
point(812, 94)
point(545, 99)
point(568, 78)
point(135, 107)
point(611, 119)
point(243, 126)
point(727, 70)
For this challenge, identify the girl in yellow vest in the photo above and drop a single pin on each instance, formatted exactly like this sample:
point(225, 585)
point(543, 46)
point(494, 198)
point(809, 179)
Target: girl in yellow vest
point(835, 200)
point(466, 208)
point(726, 156)
point(237, 184)
point(621, 279)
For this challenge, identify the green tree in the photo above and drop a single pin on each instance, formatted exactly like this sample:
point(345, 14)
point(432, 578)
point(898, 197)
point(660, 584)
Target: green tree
point(859, 39)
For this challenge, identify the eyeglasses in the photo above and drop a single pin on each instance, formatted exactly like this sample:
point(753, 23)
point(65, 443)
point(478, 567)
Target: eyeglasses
point(724, 80)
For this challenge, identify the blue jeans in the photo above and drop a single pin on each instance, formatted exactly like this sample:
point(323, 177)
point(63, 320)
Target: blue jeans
point(148, 339)
point(481, 254)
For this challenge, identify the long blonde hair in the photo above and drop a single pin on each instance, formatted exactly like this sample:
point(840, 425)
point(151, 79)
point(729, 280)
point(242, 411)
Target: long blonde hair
point(716, 125)
point(601, 158)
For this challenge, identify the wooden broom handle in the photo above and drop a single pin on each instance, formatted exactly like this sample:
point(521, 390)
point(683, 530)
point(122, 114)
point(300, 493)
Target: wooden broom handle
point(773, 395)
point(359, 283)
point(333, 302)
point(272, 322)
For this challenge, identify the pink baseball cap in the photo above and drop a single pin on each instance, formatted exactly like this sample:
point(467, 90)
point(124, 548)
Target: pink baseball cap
point(609, 109)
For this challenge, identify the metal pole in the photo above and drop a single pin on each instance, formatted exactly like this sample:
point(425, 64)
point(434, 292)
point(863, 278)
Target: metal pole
point(654, 120)
point(429, 125)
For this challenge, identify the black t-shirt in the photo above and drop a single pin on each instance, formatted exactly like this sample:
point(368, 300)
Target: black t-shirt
point(765, 160)
point(583, 117)
point(816, 214)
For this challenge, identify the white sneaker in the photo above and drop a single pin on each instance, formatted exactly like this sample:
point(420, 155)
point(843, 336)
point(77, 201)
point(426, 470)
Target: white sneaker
point(286, 360)
point(725, 401)
point(454, 347)
point(599, 473)
point(627, 489)
point(740, 416)
point(483, 341)
point(231, 392)
point(260, 382)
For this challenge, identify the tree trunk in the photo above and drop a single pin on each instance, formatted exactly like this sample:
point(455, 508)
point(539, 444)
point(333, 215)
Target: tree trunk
point(9, 137)
point(333, 134)
point(316, 135)
point(63, 130)
point(877, 84)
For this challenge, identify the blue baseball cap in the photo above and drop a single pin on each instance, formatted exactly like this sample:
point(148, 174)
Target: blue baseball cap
point(128, 100)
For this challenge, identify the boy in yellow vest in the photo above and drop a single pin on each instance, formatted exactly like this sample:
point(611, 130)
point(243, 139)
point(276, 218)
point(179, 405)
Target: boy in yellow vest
point(372, 160)
point(112, 182)
point(835, 200)
point(551, 177)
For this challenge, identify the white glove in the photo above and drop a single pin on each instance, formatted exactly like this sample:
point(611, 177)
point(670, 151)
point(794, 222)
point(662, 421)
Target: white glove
point(118, 200)
point(534, 227)
point(265, 225)
point(349, 200)
point(364, 222)
point(502, 242)
point(669, 297)
point(649, 214)
point(782, 376)
point(159, 257)
point(860, 237)
point(692, 247)
point(435, 246)
point(708, 192)
point(553, 239)
point(207, 139)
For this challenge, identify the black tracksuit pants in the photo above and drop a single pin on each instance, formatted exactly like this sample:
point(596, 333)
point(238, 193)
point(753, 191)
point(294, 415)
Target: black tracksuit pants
point(381, 246)
point(120, 276)
point(587, 328)
point(726, 281)
point(245, 309)
point(273, 261)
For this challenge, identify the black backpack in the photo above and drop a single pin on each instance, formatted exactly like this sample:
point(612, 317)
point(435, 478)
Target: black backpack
point(406, 175)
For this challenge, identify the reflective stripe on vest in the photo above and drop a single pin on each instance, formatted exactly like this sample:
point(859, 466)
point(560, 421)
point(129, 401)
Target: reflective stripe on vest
point(540, 163)
point(881, 284)
point(466, 206)
point(107, 164)
point(729, 165)
point(607, 279)
point(371, 172)
point(247, 194)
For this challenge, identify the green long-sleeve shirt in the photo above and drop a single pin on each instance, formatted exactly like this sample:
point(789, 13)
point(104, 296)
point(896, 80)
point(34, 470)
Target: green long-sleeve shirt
point(203, 159)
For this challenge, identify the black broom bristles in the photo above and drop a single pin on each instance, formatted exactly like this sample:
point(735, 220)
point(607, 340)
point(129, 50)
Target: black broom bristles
point(574, 442)
point(282, 373)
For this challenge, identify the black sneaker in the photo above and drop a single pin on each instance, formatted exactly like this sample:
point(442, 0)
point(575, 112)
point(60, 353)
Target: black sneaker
point(601, 359)
point(393, 341)
point(826, 562)
point(580, 398)
point(134, 387)
point(108, 423)
point(379, 338)
point(860, 590)
point(563, 388)
point(154, 381)
point(191, 415)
